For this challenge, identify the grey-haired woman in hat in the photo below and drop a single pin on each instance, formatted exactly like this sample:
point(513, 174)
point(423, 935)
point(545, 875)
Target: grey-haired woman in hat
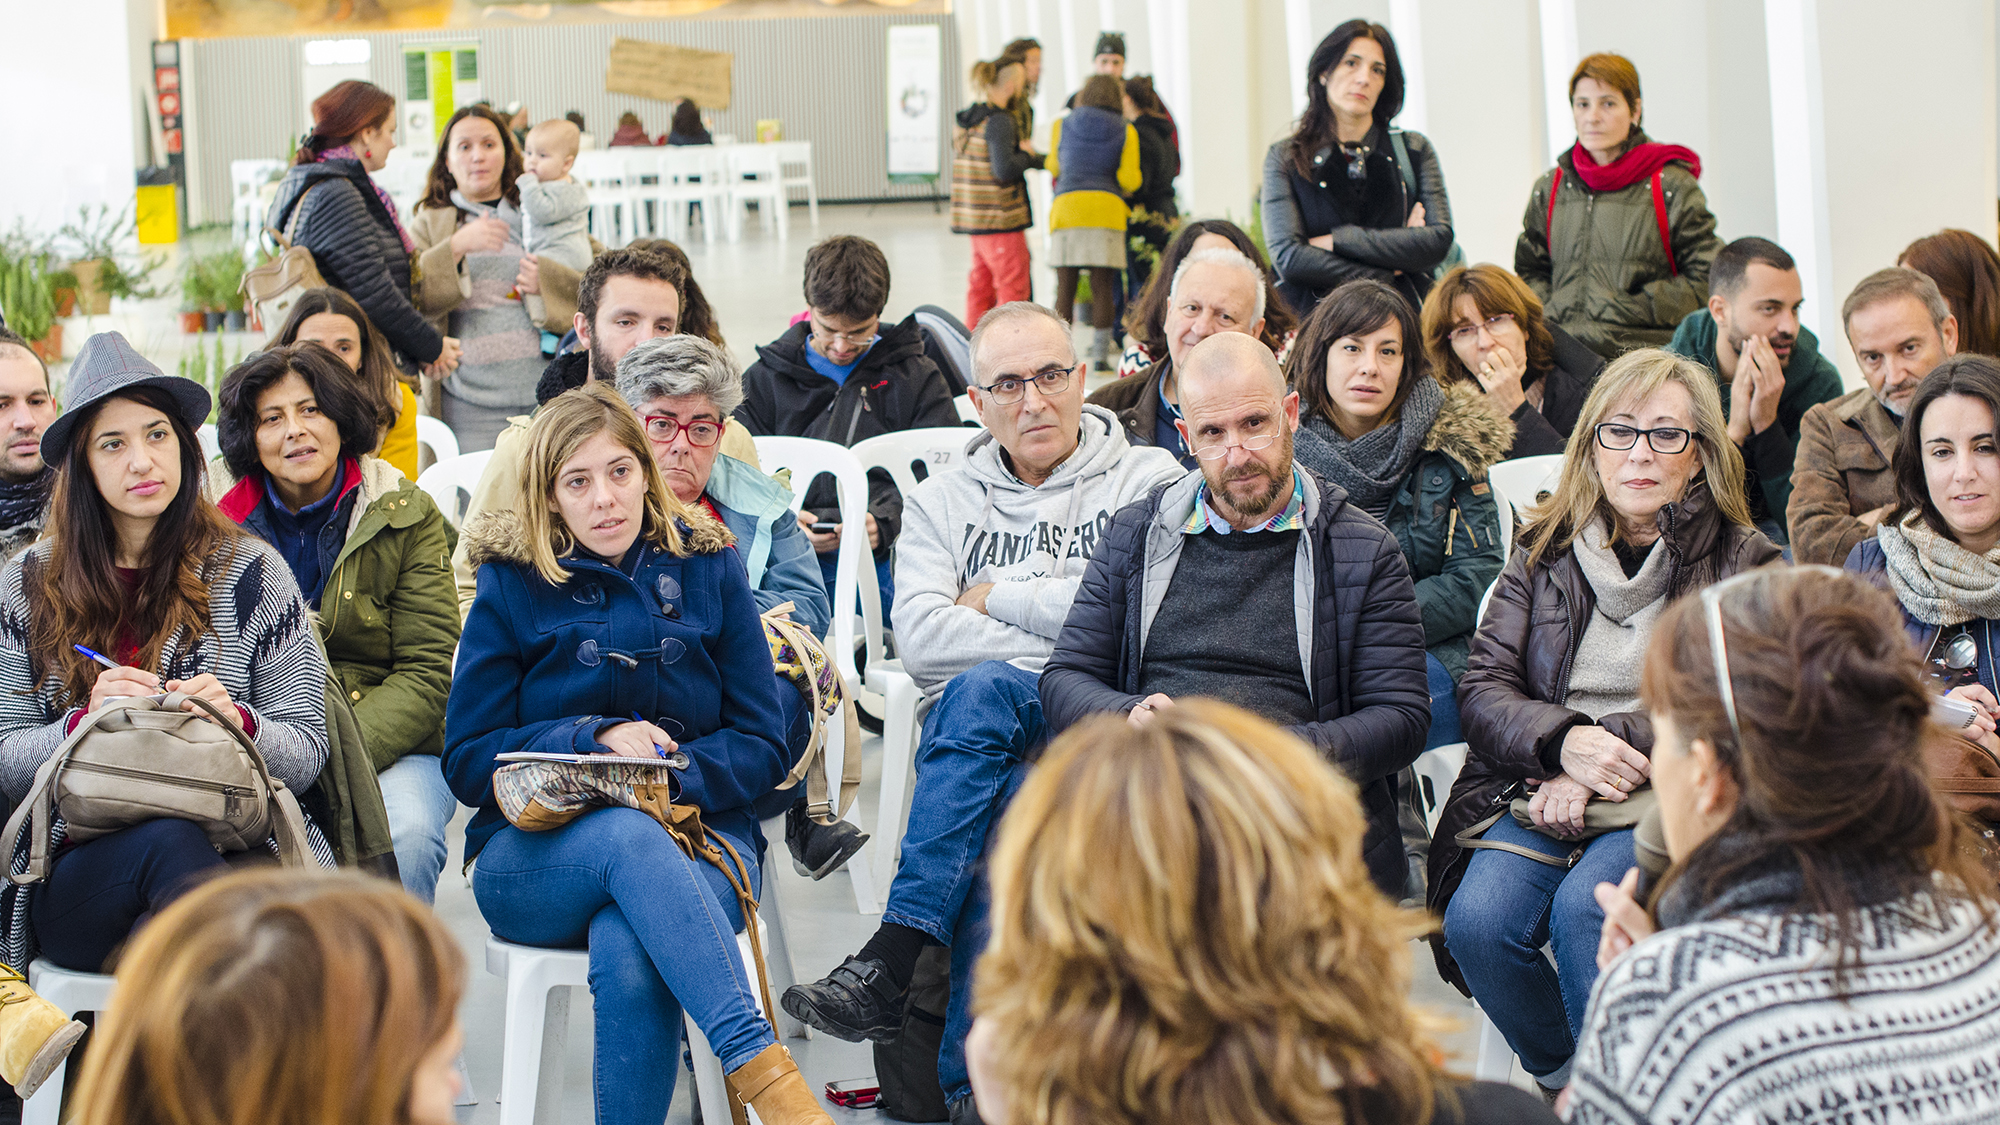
point(135, 564)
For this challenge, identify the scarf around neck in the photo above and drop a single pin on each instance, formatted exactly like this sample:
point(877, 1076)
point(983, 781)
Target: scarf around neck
point(1619, 597)
point(1938, 581)
point(1636, 163)
point(346, 152)
point(26, 503)
point(1372, 467)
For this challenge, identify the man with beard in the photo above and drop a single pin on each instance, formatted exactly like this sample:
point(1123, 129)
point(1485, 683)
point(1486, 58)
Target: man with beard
point(1899, 327)
point(1767, 362)
point(26, 409)
point(1190, 588)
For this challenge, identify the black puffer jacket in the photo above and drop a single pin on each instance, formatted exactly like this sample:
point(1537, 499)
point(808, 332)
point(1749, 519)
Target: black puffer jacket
point(354, 243)
point(894, 387)
point(1367, 643)
point(1517, 676)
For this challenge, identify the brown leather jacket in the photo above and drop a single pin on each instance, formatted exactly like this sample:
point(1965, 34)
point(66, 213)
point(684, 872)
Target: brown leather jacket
point(1841, 471)
point(1510, 700)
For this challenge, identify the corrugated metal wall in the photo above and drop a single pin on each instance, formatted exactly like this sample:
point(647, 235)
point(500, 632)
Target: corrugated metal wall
point(823, 78)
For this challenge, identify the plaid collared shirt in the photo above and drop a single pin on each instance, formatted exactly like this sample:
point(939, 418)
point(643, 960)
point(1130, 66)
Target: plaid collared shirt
point(1293, 518)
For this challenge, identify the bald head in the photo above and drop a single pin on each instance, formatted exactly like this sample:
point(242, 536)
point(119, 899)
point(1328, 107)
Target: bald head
point(1238, 419)
point(1232, 363)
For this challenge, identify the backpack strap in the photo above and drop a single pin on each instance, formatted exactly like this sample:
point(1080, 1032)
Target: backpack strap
point(1660, 216)
point(1549, 226)
point(1403, 162)
point(37, 808)
point(811, 766)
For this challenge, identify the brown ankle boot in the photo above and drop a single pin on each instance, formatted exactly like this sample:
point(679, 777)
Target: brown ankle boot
point(772, 1085)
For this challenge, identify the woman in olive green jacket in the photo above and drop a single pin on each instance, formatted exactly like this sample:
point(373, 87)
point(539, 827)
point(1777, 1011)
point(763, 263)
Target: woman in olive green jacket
point(369, 552)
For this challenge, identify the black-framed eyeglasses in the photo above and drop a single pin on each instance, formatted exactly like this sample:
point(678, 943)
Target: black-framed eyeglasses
point(1465, 333)
point(662, 428)
point(1663, 439)
point(1051, 381)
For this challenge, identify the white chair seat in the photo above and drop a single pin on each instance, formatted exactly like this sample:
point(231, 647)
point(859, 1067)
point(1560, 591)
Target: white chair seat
point(447, 479)
point(73, 992)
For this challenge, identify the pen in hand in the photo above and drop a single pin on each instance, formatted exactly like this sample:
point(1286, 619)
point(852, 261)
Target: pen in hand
point(657, 748)
point(97, 656)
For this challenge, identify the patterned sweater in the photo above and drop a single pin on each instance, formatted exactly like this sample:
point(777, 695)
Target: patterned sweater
point(261, 647)
point(1733, 1018)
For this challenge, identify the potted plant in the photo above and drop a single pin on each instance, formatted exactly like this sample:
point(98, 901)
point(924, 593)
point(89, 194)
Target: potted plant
point(28, 302)
point(226, 279)
point(194, 297)
point(102, 270)
point(64, 282)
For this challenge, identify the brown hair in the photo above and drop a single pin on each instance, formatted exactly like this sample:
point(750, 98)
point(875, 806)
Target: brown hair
point(379, 376)
point(635, 260)
point(334, 393)
point(1355, 309)
point(1967, 272)
point(1184, 930)
point(1970, 375)
point(1830, 772)
point(348, 108)
point(1615, 71)
point(1146, 318)
point(687, 119)
point(1101, 91)
point(986, 73)
point(278, 996)
point(437, 192)
point(848, 276)
point(1493, 291)
point(1139, 88)
point(697, 316)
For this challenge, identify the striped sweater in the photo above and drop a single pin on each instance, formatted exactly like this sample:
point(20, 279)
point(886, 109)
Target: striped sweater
point(261, 646)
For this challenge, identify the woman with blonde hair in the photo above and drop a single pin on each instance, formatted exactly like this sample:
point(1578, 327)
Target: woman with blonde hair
point(613, 619)
point(286, 997)
point(1649, 506)
point(1184, 929)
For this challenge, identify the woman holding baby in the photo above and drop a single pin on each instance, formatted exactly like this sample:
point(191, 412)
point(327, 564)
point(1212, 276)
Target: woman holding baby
point(493, 275)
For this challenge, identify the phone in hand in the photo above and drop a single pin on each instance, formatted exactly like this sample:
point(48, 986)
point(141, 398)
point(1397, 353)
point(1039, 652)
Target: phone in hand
point(825, 527)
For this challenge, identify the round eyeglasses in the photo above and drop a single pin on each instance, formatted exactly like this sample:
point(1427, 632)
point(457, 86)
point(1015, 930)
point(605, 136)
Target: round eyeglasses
point(661, 428)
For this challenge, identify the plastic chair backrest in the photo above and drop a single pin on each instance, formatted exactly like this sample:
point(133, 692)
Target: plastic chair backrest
point(211, 445)
point(446, 479)
point(807, 458)
point(434, 433)
point(760, 161)
point(1523, 479)
point(966, 411)
point(603, 166)
point(939, 449)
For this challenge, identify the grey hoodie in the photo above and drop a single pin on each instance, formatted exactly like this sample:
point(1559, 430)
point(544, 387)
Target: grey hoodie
point(983, 524)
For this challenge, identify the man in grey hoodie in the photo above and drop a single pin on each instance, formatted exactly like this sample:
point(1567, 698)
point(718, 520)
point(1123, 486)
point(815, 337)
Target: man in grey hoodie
point(989, 560)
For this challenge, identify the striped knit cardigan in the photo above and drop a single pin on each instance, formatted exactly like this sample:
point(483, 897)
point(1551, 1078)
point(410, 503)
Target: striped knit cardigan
point(261, 647)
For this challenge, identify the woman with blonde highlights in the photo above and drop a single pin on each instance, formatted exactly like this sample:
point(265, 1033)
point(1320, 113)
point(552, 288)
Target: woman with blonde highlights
point(283, 997)
point(1184, 929)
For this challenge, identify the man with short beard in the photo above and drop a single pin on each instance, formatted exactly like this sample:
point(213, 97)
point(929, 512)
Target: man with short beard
point(1190, 588)
point(26, 409)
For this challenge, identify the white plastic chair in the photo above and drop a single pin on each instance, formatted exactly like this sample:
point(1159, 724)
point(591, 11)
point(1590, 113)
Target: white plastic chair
point(211, 444)
point(246, 182)
point(73, 992)
point(795, 160)
point(434, 433)
point(854, 575)
point(940, 449)
point(966, 411)
point(614, 193)
point(691, 174)
point(446, 479)
point(1524, 479)
point(755, 176)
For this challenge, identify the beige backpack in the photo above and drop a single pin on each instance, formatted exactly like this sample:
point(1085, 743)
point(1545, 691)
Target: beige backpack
point(270, 290)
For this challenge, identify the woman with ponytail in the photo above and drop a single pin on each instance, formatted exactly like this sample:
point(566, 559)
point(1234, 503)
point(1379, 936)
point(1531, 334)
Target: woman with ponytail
point(1825, 933)
point(328, 204)
point(989, 189)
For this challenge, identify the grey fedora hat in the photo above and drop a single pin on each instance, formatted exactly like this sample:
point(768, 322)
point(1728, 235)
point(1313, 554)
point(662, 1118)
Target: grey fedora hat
point(105, 366)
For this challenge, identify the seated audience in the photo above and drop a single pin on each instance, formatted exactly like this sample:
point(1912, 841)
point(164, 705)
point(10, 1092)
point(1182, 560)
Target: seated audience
point(1145, 317)
point(1751, 338)
point(1483, 327)
point(1189, 589)
point(1413, 455)
point(1214, 290)
point(606, 560)
point(1649, 507)
point(629, 132)
point(333, 320)
point(1900, 328)
point(1967, 272)
point(129, 545)
point(1253, 973)
point(686, 127)
point(1094, 160)
point(838, 375)
point(26, 409)
point(1617, 237)
point(281, 997)
point(367, 548)
point(1825, 942)
point(986, 570)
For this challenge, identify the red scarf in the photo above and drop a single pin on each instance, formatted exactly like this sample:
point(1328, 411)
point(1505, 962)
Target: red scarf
point(1638, 163)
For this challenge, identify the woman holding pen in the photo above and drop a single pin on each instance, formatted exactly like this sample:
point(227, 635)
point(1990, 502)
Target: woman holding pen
point(138, 571)
point(602, 597)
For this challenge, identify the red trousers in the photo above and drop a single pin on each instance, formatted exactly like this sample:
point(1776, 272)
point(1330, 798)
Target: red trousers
point(999, 273)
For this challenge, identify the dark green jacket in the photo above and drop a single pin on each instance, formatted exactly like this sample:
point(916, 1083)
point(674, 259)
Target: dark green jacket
point(1607, 281)
point(1810, 379)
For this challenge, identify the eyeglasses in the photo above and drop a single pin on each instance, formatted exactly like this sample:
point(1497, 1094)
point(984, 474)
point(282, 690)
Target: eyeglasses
point(1051, 381)
point(661, 428)
point(1711, 608)
point(1466, 333)
point(1663, 439)
point(1220, 449)
point(858, 336)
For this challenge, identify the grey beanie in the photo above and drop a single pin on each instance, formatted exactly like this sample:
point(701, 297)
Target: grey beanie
point(105, 366)
point(1110, 43)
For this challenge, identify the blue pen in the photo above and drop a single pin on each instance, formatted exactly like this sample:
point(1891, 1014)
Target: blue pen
point(97, 656)
point(638, 718)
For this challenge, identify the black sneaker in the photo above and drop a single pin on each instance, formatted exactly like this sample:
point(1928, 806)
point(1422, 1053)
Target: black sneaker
point(854, 1002)
point(964, 1111)
point(819, 850)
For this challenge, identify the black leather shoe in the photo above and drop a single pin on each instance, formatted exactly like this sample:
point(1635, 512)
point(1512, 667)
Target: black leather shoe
point(819, 850)
point(965, 1112)
point(855, 1002)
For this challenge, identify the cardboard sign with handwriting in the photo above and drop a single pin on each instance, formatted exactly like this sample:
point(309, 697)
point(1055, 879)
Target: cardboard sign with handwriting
point(666, 73)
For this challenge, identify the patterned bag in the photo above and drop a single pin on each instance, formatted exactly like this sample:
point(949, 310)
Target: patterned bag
point(799, 657)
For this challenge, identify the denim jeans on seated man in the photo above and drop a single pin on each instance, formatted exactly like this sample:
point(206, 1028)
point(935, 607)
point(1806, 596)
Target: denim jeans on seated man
point(1507, 908)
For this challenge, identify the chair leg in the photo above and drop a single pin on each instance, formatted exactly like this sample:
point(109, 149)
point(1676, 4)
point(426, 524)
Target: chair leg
point(1496, 1059)
point(711, 1090)
point(777, 949)
point(899, 756)
point(535, 1036)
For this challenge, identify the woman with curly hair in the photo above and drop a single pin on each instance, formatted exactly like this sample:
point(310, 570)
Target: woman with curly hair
point(1184, 930)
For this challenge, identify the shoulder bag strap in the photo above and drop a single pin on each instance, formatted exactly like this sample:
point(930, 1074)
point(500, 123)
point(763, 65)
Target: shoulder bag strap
point(288, 822)
point(1549, 226)
point(1409, 171)
point(818, 787)
point(39, 806)
point(1660, 216)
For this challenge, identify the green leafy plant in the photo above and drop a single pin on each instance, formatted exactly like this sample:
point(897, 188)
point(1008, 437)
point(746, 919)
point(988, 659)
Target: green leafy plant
point(99, 235)
point(27, 295)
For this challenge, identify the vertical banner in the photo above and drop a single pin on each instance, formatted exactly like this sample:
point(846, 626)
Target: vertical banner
point(916, 54)
point(162, 213)
point(437, 79)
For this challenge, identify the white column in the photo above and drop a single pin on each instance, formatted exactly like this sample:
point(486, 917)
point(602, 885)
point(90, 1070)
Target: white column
point(1107, 19)
point(1299, 44)
point(1798, 151)
point(1559, 56)
point(1159, 38)
point(1406, 24)
point(1075, 69)
point(989, 40)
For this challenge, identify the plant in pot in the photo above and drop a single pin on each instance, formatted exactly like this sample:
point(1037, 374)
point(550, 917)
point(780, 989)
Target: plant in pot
point(28, 301)
point(102, 269)
point(194, 297)
point(226, 275)
point(63, 282)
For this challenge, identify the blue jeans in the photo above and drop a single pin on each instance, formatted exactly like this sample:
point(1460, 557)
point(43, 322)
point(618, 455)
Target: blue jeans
point(971, 761)
point(1505, 910)
point(99, 892)
point(829, 563)
point(1445, 728)
point(660, 929)
point(420, 807)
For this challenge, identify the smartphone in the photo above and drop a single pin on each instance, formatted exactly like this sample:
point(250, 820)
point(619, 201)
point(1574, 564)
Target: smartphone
point(854, 1093)
point(825, 528)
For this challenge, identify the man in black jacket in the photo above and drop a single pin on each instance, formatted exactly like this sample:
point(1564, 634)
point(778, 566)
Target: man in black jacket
point(1189, 588)
point(839, 375)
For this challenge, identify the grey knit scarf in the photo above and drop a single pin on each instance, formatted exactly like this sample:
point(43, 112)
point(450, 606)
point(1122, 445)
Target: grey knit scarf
point(1938, 581)
point(1372, 467)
